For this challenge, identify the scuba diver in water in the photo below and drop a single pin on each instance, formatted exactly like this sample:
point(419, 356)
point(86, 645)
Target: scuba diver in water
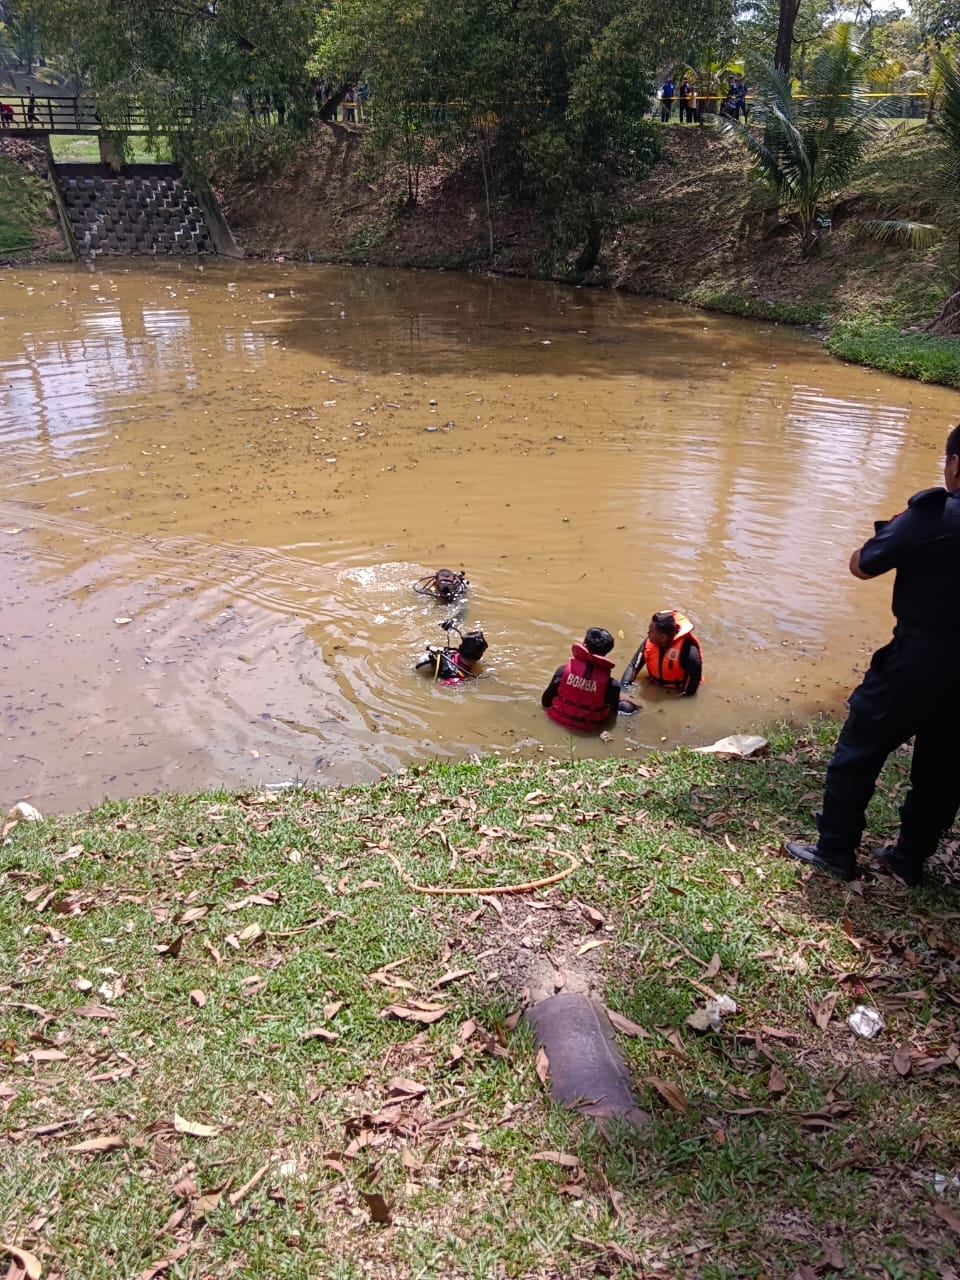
point(671, 653)
point(443, 585)
point(453, 664)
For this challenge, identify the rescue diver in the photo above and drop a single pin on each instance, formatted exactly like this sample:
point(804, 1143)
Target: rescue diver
point(671, 653)
point(583, 694)
point(443, 585)
point(452, 665)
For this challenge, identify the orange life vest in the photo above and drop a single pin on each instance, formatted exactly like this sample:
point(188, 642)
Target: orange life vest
point(663, 665)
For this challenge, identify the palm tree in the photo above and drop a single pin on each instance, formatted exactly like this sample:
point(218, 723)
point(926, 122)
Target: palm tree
point(811, 146)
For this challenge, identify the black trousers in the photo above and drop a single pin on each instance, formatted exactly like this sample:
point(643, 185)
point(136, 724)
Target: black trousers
point(912, 690)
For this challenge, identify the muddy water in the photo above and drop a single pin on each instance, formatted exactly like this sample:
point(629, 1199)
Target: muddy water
point(218, 486)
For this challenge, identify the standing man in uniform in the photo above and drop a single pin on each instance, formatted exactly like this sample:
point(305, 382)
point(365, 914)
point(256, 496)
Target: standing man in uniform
point(912, 690)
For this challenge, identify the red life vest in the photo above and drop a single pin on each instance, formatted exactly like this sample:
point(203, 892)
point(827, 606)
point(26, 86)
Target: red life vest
point(581, 700)
point(663, 665)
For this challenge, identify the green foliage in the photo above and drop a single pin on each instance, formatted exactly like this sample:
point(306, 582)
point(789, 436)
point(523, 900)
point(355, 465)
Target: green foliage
point(552, 98)
point(909, 355)
point(187, 64)
point(812, 146)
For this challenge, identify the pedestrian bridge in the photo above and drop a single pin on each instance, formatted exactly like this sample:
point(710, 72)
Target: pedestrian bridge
point(27, 116)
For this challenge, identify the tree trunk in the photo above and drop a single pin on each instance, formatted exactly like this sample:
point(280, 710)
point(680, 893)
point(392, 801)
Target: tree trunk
point(788, 20)
point(590, 251)
point(947, 323)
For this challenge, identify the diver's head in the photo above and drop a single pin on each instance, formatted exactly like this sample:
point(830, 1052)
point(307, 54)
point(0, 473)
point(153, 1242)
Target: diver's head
point(663, 627)
point(473, 646)
point(598, 641)
point(448, 585)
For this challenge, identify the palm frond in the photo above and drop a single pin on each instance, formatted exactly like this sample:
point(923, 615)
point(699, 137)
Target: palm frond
point(916, 235)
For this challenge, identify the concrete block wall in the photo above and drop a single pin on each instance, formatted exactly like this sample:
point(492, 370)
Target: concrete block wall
point(152, 213)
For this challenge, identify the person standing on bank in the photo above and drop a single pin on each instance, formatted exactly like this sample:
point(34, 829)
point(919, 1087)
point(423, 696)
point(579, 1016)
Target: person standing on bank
point(583, 694)
point(911, 690)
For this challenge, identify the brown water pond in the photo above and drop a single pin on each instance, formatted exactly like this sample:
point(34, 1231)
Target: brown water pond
point(219, 484)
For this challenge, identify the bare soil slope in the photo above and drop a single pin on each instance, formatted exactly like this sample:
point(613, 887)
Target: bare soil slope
point(699, 231)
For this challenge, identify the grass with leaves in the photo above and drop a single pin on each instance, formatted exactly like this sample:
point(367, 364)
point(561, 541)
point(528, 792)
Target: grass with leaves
point(237, 1041)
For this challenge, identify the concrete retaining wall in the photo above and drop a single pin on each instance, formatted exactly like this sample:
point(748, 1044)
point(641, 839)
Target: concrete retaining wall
point(146, 209)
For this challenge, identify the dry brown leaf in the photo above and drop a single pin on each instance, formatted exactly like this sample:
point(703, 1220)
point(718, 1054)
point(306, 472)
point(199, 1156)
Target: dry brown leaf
point(171, 949)
point(198, 997)
point(379, 1209)
point(95, 1011)
point(207, 1202)
point(903, 1059)
point(332, 1009)
point(948, 1215)
point(400, 1087)
point(409, 1014)
point(776, 1084)
point(157, 1268)
point(193, 913)
point(42, 1055)
point(672, 1095)
point(194, 1127)
point(823, 1012)
point(29, 1262)
point(467, 1029)
point(543, 1065)
point(713, 968)
point(557, 1157)
point(185, 1189)
point(319, 1033)
point(97, 1146)
point(592, 945)
point(592, 915)
point(250, 933)
point(453, 975)
point(627, 1027)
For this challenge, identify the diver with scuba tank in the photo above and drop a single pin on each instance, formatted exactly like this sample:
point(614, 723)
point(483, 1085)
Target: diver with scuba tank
point(453, 664)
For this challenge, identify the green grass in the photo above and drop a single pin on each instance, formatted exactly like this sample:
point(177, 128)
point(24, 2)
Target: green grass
point(910, 355)
point(175, 951)
point(733, 303)
point(85, 149)
point(24, 205)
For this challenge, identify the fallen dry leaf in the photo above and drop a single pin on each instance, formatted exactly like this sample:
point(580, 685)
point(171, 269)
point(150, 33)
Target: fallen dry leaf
point(903, 1059)
point(332, 1009)
point(557, 1157)
point(379, 1209)
point(670, 1093)
point(319, 1033)
point(624, 1025)
point(198, 998)
point(97, 1146)
point(776, 1084)
point(543, 1066)
point(949, 1216)
point(592, 945)
point(400, 1087)
point(157, 1268)
point(95, 1011)
point(713, 968)
point(195, 1128)
point(29, 1262)
point(410, 1014)
point(823, 1012)
point(452, 976)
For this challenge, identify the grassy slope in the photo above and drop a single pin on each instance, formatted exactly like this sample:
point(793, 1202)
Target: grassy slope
point(28, 224)
point(228, 960)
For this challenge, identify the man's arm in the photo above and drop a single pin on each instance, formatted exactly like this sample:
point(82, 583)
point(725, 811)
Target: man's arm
point(693, 666)
point(855, 566)
point(613, 694)
point(550, 692)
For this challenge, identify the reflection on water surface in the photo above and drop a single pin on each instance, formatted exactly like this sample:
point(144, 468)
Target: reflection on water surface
point(219, 484)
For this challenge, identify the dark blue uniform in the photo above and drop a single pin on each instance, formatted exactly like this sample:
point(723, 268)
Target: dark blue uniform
point(912, 689)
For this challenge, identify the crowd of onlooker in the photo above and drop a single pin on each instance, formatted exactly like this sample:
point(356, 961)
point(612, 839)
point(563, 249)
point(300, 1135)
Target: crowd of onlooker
point(691, 105)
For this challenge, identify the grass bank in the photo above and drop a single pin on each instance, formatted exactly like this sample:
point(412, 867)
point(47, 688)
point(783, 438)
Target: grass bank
point(238, 1042)
point(28, 225)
